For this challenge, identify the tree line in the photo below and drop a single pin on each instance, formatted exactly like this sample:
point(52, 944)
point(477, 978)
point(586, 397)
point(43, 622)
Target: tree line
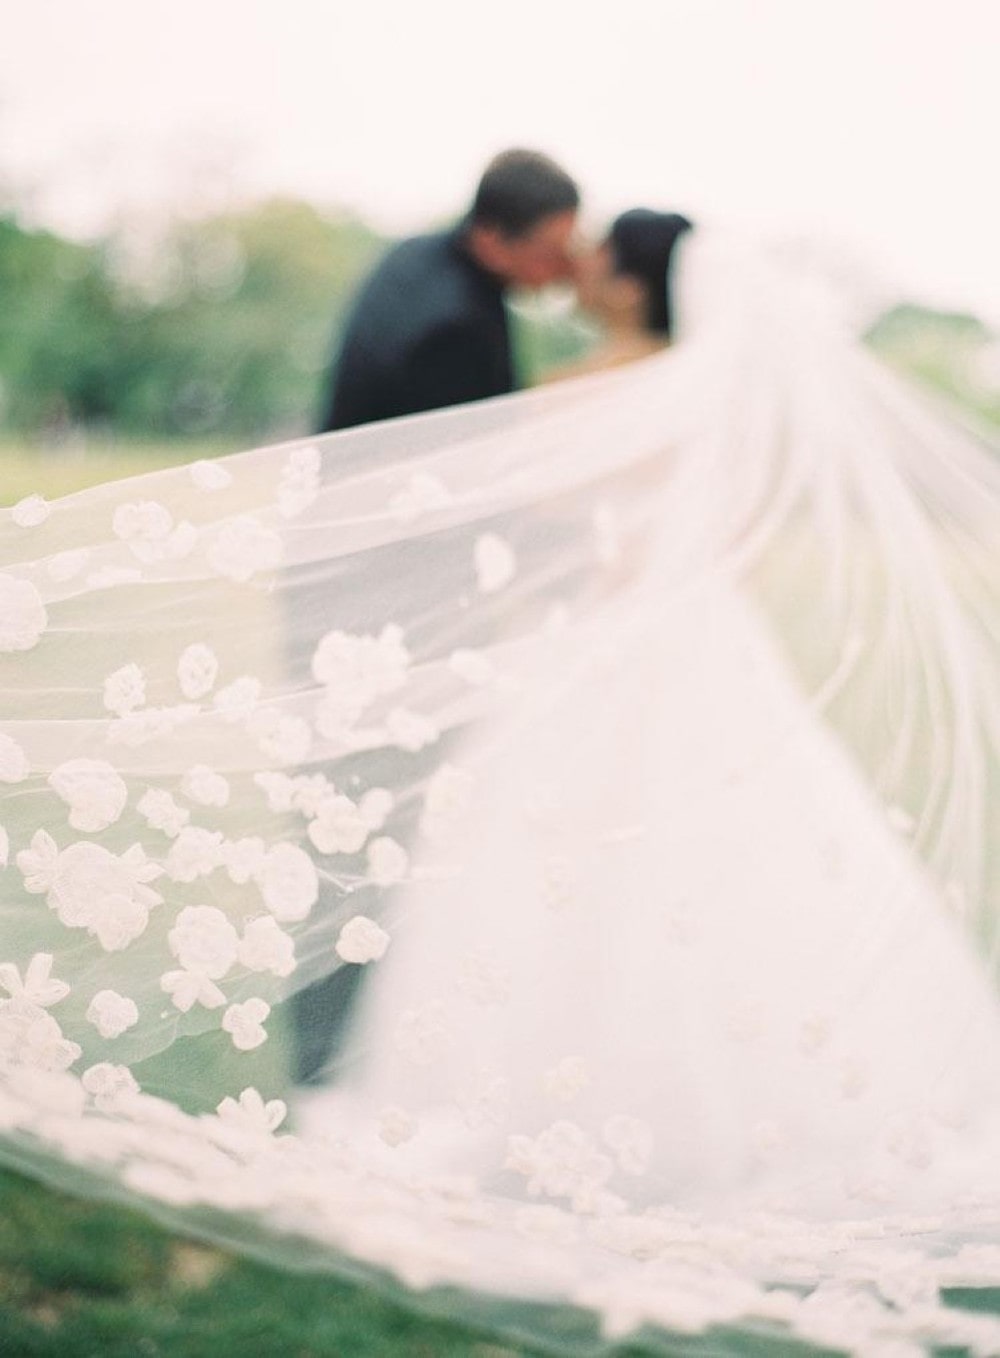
point(221, 326)
point(225, 326)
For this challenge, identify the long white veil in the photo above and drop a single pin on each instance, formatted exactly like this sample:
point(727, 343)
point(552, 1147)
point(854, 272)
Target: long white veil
point(612, 771)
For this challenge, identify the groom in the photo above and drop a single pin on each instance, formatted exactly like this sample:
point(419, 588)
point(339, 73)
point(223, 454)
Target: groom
point(429, 328)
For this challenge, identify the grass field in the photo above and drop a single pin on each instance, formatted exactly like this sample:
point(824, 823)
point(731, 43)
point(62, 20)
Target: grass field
point(80, 1279)
point(94, 1281)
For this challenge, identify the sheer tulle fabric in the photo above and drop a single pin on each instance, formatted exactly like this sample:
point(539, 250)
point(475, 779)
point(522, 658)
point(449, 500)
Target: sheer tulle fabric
point(635, 741)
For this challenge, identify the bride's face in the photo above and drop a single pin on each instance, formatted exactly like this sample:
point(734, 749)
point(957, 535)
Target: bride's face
point(602, 290)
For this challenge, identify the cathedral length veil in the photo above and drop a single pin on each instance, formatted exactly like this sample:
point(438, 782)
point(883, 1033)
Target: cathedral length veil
point(637, 740)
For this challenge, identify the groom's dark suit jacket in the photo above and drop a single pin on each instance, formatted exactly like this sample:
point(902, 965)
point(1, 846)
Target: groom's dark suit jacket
point(428, 329)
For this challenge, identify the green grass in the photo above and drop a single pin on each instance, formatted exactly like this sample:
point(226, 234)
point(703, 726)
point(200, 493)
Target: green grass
point(84, 1279)
point(81, 1278)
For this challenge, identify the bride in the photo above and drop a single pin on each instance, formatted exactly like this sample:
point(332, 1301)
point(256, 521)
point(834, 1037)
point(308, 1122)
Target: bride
point(636, 737)
point(651, 976)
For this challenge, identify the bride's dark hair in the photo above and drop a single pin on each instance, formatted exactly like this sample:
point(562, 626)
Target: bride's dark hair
point(642, 245)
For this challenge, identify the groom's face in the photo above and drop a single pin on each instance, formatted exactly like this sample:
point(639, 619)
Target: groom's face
point(542, 255)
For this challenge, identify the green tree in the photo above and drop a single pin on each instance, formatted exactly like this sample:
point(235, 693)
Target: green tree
point(240, 336)
point(58, 326)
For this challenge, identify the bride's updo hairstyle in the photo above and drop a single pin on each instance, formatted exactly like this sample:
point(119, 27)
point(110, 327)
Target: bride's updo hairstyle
point(642, 246)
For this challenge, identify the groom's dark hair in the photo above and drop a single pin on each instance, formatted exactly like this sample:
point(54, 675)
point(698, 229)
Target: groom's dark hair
point(518, 189)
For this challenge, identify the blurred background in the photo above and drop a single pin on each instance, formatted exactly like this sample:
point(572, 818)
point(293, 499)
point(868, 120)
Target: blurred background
point(189, 191)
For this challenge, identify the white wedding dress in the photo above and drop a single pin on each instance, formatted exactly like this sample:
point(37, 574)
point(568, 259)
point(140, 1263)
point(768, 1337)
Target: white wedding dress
point(686, 948)
point(640, 738)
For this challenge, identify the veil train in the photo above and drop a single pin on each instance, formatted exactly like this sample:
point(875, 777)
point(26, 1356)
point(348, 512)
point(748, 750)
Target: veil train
point(633, 741)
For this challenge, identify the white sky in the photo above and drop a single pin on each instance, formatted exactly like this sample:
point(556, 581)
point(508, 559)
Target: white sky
point(873, 120)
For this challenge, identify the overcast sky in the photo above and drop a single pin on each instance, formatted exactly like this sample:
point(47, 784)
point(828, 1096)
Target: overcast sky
point(872, 120)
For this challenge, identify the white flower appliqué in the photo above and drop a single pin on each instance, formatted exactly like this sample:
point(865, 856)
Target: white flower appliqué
point(37, 986)
point(251, 1114)
point(237, 700)
point(299, 485)
point(396, 1127)
point(243, 547)
point(362, 940)
point(339, 826)
point(93, 790)
point(210, 475)
point(245, 1023)
point(565, 1080)
point(125, 690)
point(39, 863)
point(29, 1036)
point(632, 1142)
point(204, 786)
point(243, 858)
point(562, 1161)
point(289, 882)
point(421, 1034)
point(206, 945)
point(23, 617)
point(278, 788)
point(195, 852)
point(387, 861)
point(266, 947)
point(151, 723)
point(483, 979)
point(109, 1085)
point(160, 812)
point(31, 511)
point(145, 526)
point(188, 988)
point(197, 670)
point(92, 889)
point(112, 1014)
point(204, 941)
point(355, 670)
point(304, 793)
